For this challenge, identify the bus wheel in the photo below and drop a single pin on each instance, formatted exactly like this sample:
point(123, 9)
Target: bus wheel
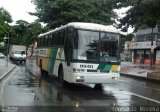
point(61, 75)
point(98, 87)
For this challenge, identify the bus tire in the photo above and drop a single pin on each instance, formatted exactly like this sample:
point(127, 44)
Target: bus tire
point(98, 87)
point(61, 75)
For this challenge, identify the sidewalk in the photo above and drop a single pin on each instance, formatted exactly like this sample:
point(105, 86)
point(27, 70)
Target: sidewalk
point(140, 70)
point(5, 67)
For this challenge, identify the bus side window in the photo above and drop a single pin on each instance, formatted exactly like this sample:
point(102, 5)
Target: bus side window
point(50, 40)
point(43, 41)
point(55, 39)
point(61, 38)
point(52, 43)
point(38, 42)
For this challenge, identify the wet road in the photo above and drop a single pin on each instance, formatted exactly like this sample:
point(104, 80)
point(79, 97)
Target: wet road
point(21, 91)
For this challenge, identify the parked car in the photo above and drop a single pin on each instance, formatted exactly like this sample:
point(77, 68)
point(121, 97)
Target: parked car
point(2, 55)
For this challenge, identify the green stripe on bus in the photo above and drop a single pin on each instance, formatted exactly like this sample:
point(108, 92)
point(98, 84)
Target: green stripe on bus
point(108, 67)
point(104, 67)
point(101, 67)
point(52, 59)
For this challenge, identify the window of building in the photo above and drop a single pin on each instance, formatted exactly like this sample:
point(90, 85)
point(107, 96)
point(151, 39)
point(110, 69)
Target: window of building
point(158, 37)
point(140, 39)
point(148, 38)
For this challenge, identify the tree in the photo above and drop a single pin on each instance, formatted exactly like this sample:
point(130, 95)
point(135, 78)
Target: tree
point(19, 32)
point(25, 33)
point(61, 12)
point(143, 13)
point(5, 18)
point(34, 29)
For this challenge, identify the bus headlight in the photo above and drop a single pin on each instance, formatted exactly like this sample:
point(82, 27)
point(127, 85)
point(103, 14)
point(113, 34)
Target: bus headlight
point(80, 79)
point(114, 78)
point(77, 104)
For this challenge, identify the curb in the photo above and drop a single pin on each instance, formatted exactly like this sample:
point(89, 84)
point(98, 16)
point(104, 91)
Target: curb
point(7, 72)
point(138, 77)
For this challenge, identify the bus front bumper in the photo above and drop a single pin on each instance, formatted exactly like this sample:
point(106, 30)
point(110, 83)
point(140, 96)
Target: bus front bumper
point(95, 78)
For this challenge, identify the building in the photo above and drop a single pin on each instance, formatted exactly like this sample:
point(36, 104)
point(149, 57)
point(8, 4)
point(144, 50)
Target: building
point(126, 52)
point(141, 48)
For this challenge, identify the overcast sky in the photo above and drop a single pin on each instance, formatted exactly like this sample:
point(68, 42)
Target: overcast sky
point(18, 9)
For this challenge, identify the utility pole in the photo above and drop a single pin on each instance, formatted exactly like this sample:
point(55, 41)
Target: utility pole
point(152, 49)
point(8, 50)
point(7, 42)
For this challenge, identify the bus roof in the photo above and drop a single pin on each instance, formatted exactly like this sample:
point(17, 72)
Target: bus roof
point(87, 26)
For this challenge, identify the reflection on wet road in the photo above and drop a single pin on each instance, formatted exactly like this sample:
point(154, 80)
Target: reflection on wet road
point(23, 89)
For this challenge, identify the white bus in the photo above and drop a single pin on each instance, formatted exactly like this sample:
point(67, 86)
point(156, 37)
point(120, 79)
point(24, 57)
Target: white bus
point(78, 52)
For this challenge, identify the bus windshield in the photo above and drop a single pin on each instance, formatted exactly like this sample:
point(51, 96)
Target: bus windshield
point(87, 46)
point(96, 46)
point(109, 47)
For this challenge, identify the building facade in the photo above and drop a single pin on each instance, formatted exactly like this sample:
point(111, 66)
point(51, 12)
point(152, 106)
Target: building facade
point(144, 45)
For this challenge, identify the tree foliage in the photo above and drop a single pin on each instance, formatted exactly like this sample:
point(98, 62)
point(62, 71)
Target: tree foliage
point(5, 18)
point(143, 13)
point(61, 12)
point(24, 33)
